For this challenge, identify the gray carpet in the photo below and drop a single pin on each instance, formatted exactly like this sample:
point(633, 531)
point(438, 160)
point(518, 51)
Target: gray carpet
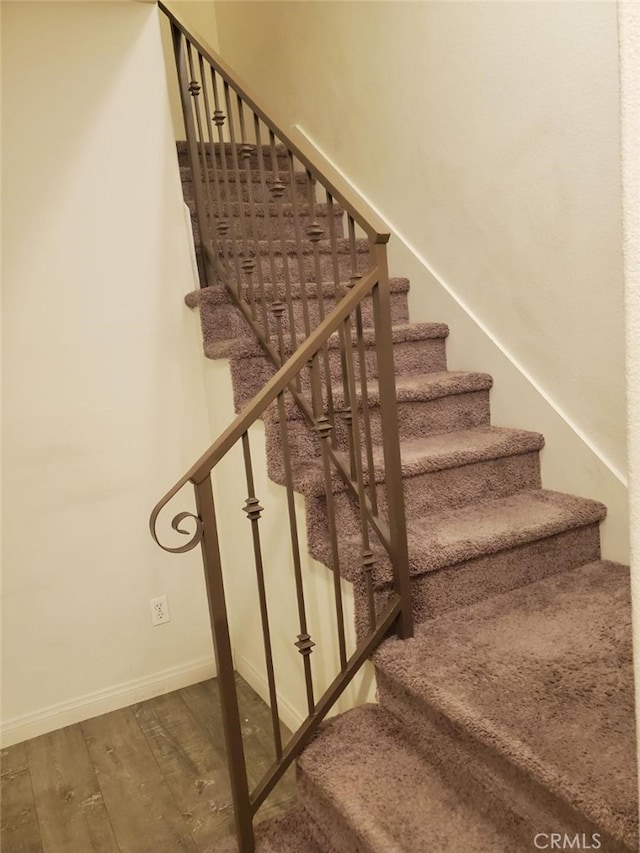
point(541, 680)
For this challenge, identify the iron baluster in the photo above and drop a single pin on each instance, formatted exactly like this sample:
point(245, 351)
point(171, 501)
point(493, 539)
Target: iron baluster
point(323, 429)
point(297, 224)
point(254, 512)
point(246, 152)
point(304, 643)
point(224, 665)
point(247, 263)
point(180, 47)
point(391, 443)
point(278, 189)
point(224, 225)
point(195, 89)
point(364, 392)
point(267, 214)
point(314, 233)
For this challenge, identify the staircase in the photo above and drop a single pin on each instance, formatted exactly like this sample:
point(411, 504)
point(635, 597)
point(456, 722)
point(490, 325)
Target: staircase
point(509, 716)
point(500, 638)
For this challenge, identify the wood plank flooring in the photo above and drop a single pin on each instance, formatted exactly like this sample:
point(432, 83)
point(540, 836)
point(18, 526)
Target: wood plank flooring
point(151, 778)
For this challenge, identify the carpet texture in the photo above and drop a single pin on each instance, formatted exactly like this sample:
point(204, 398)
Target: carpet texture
point(511, 711)
point(294, 832)
point(542, 679)
point(370, 790)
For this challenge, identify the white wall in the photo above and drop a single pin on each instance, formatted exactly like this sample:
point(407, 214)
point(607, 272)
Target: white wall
point(487, 134)
point(103, 390)
point(630, 100)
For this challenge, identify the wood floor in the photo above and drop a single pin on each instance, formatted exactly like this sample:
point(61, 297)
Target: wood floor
point(151, 777)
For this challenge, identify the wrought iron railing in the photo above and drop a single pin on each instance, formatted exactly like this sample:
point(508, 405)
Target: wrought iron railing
point(260, 201)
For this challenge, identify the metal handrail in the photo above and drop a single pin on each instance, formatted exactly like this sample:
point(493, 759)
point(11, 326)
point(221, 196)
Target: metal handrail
point(344, 194)
point(252, 267)
point(203, 466)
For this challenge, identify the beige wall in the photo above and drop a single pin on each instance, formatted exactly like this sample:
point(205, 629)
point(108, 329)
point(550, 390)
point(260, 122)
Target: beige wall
point(108, 398)
point(487, 134)
point(630, 88)
point(103, 391)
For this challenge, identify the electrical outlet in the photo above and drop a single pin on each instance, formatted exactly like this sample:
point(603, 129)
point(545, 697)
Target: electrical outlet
point(159, 610)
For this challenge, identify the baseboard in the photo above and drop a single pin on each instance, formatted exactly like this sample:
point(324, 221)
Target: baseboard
point(571, 462)
point(102, 701)
point(258, 682)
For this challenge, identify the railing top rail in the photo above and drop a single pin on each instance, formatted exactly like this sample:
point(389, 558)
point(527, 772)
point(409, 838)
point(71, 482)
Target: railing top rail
point(252, 411)
point(330, 178)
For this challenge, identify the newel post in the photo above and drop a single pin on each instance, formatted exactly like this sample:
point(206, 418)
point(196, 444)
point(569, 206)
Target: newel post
point(224, 663)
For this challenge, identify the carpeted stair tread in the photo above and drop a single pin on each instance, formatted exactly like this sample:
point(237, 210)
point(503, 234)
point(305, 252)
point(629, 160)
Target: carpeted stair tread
point(374, 794)
point(402, 333)
point(542, 675)
point(436, 452)
point(416, 388)
point(286, 208)
point(280, 149)
point(463, 533)
point(464, 447)
point(232, 176)
point(218, 295)
point(287, 833)
point(428, 386)
point(288, 247)
point(502, 522)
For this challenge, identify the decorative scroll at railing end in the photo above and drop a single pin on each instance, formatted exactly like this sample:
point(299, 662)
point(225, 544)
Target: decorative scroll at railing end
point(177, 520)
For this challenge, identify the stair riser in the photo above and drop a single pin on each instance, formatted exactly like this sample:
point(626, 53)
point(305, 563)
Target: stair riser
point(436, 490)
point(411, 357)
point(290, 266)
point(223, 321)
point(242, 191)
point(511, 798)
point(337, 830)
point(293, 270)
point(415, 419)
point(474, 580)
point(254, 161)
point(268, 227)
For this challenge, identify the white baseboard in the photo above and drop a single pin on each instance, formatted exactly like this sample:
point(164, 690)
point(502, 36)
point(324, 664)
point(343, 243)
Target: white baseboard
point(292, 718)
point(102, 701)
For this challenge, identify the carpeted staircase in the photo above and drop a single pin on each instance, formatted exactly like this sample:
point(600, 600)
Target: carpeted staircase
point(507, 722)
